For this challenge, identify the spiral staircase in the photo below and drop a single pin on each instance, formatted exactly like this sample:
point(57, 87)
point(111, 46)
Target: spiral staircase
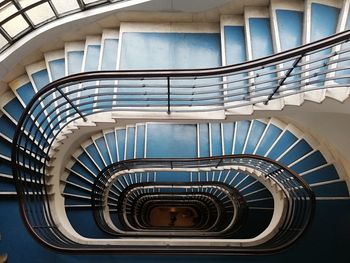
point(181, 138)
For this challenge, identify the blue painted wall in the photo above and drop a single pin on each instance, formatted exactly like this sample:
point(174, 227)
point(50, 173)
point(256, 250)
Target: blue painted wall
point(290, 36)
point(261, 46)
point(171, 51)
point(260, 33)
point(235, 52)
point(327, 240)
point(324, 21)
point(181, 141)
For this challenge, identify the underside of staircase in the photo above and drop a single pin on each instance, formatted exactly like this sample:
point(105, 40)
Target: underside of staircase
point(224, 124)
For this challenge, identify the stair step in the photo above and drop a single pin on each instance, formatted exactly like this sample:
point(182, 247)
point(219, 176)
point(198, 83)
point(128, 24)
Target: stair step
point(259, 32)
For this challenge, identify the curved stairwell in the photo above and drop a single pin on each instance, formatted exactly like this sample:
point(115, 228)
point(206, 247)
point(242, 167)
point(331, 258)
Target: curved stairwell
point(138, 126)
point(270, 138)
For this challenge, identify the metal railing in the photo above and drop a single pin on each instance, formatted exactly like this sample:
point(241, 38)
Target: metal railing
point(318, 66)
point(297, 192)
point(228, 218)
point(299, 205)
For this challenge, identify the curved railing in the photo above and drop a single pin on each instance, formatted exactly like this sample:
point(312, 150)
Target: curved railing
point(19, 20)
point(317, 66)
point(238, 208)
point(300, 198)
point(298, 209)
